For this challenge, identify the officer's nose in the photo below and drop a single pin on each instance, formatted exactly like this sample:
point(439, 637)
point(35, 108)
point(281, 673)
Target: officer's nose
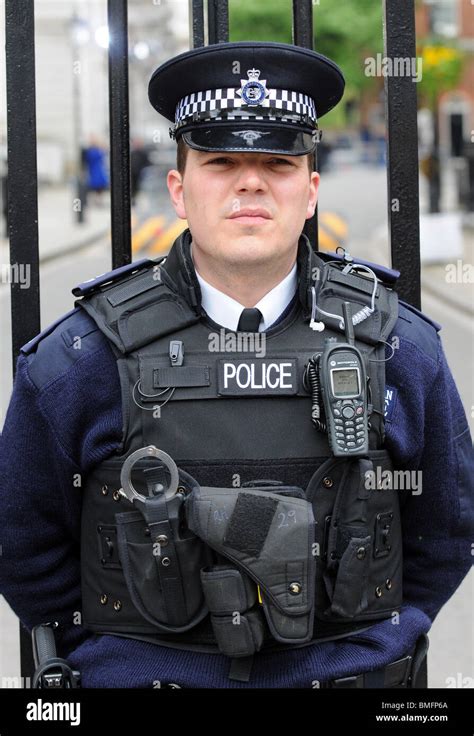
point(250, 178)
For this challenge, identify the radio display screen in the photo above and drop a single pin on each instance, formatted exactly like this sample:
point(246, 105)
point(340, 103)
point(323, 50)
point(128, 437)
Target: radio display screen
point(345, 382)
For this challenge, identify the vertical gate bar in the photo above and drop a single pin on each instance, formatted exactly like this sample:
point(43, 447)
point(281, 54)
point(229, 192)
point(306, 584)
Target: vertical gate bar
point(218, 21)
point(303, 36)
point(402, 150)
point(22, 197)
point(196, 23)
point(303, 23)
point(22, 170)
point(119, 133)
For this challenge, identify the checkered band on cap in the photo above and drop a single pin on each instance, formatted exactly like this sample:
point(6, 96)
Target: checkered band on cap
point(226, 99)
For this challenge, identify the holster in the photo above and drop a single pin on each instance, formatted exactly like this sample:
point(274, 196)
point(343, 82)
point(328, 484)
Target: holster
point(269, 537)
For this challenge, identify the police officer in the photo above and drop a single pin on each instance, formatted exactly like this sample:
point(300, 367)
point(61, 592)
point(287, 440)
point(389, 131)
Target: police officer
point(230, 421)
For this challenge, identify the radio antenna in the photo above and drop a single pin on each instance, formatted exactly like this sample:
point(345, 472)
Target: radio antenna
point(349, 327)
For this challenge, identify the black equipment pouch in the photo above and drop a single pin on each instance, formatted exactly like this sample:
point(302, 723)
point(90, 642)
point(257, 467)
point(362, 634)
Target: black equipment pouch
point(231, 596)
point(269, 536)
point(161, 561)
point(358, 538)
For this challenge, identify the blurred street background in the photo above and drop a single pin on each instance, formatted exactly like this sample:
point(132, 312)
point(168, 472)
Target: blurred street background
point(74, 199)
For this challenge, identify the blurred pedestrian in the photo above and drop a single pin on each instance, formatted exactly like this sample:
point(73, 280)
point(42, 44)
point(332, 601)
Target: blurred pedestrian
point(95, 162)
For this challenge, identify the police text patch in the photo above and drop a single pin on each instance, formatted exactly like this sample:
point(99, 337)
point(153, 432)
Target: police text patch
point(257, 377)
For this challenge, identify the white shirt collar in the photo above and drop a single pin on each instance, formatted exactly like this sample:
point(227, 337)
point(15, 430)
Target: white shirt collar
point(226, 311)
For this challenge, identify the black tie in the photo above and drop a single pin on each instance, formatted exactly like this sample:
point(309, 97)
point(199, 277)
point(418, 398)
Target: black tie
point(249, 320)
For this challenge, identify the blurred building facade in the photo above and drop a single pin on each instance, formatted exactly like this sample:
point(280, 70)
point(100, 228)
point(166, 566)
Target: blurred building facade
point(452, 20)
point(71, 38)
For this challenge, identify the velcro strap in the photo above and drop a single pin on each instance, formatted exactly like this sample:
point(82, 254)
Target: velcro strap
point(250, 523)
point(180, 376)
point(360, 283)
point(130, 290)
point(167, 565)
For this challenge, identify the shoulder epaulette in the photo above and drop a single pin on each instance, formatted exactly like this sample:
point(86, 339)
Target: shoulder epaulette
point(422, 316)
point(87, 287)
point(31, 345)
point(54, 350)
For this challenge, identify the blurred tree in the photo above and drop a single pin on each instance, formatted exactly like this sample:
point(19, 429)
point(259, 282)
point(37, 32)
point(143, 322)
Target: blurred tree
point(347, 32)
point(442, 67)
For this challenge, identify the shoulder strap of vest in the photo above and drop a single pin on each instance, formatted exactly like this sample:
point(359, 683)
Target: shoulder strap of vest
point(327, 282)
point(135, 304)
point(388, 276)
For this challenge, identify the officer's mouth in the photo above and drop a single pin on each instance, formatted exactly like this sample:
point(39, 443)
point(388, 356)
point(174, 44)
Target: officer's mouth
point(249, 216)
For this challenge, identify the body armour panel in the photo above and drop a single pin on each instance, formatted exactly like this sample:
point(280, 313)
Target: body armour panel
point(267, 524)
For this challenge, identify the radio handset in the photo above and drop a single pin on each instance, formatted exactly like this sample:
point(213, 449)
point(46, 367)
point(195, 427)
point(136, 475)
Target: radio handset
point(343, 381)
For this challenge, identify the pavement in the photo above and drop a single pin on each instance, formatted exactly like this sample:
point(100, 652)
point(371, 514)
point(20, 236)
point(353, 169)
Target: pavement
point(449, 278)
point(58, 230)
point(61, 234)
point(453, 281)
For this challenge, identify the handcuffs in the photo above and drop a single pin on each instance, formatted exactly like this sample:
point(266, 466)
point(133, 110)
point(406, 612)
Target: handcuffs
point(128, 491)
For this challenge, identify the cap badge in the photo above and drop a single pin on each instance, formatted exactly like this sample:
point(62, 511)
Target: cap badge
point(253, 90)
point(250, 136)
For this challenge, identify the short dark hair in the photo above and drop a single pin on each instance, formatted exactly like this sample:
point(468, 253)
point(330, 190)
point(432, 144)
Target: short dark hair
point(182, 154)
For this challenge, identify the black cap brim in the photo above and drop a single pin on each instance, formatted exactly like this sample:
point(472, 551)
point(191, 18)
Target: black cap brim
point(251, 137)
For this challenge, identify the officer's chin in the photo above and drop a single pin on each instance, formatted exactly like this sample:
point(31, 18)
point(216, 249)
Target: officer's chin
point(249, 234)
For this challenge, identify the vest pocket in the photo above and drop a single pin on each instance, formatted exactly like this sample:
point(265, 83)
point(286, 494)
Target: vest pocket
point(163, 582)
point(349, 595)
point(358, 533)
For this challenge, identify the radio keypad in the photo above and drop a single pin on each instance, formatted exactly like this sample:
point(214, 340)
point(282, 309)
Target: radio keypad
point(349, 421)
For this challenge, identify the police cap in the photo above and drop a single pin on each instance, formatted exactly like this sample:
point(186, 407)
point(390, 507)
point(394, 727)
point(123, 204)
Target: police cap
point(247, 96)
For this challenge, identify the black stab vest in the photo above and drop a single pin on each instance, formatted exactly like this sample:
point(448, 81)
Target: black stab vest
point(229, 435)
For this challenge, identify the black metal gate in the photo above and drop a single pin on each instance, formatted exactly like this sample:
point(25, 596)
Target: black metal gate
point(402, 169)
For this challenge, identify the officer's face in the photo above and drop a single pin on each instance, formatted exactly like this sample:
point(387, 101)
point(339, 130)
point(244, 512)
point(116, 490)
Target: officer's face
point(217, 187)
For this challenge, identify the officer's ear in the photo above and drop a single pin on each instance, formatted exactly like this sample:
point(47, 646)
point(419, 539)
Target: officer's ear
point(313, 194)
point(174, 182)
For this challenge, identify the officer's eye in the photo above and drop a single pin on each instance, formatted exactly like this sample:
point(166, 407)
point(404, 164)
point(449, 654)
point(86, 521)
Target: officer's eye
point(219, 160)
point(280, 161)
